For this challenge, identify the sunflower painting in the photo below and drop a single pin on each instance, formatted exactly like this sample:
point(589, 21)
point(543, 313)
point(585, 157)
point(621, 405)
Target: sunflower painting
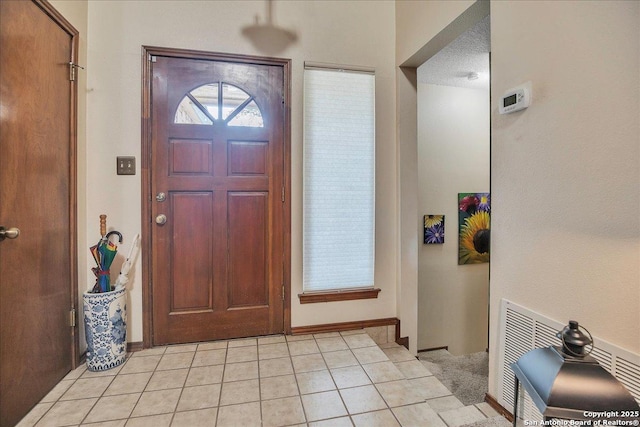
point(433, 229)
point(474, 217)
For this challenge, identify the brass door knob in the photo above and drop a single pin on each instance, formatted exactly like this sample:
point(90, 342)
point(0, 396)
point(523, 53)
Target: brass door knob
point(9, 233)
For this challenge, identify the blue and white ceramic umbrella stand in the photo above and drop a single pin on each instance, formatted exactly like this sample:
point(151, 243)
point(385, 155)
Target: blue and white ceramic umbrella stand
point(105, 324)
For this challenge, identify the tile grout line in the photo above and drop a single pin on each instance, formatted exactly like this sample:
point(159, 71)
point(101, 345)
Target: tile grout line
point(259, 381)
point(143, 389)
point(224, 370)
point(385, 400)
point(155, 369)
point(361, 365)
point(333, 379)
point(103, 392)
point(145, 386)
point(184, 384)
point(44, 414)
point(295, 378)
point(120, 375)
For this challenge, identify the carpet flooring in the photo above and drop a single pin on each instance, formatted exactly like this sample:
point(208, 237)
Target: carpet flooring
point(465, 376)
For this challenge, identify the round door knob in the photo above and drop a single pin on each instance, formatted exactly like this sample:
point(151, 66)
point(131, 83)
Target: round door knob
point(9, 233)
point(161, 219)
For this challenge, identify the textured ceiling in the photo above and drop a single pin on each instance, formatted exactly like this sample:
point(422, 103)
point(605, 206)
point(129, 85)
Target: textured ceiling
point(466, 54)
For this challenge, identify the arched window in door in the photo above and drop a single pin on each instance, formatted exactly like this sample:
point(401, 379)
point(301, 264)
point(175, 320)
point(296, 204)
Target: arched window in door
point(219, 103)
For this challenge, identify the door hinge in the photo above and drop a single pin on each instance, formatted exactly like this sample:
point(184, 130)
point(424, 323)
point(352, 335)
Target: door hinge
point(282, 195)
point(72, 71)
point(153, 58)
point(282, 292)
point(72, 318)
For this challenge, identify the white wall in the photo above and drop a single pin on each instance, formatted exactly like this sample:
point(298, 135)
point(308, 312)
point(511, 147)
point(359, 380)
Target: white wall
point(416, 24)
point(453, 157)
point(346, 32)
point(565, 238)
point(76, 13)
point(566, 171)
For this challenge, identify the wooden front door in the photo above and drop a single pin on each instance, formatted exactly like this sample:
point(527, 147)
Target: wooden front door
point(217, 195)
point(37, 196)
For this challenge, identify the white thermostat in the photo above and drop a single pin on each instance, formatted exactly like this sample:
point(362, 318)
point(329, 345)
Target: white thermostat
point(516, 99)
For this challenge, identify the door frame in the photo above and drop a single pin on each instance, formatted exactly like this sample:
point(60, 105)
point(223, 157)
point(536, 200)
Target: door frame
point(147, 221)
point(63, 23)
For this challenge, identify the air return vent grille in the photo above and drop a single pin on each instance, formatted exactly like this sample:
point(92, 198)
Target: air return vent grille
point(629, 374)
point(523, 330)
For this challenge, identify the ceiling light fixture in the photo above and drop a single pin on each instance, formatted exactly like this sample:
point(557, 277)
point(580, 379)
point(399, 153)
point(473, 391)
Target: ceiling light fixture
point(269, 38)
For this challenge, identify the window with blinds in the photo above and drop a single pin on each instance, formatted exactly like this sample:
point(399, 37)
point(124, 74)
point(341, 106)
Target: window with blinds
point(339, 179)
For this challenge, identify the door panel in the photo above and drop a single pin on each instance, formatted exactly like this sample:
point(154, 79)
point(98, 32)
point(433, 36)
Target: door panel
point(36, 196)
point(248, 158)
point(193, 275)
point(248, 263)
point(217, 151)
point(190, 157)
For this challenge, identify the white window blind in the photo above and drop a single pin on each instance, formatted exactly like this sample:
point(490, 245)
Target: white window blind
point(339, 179)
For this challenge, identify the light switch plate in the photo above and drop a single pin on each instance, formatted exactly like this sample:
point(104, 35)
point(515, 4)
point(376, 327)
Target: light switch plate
point(126, 165)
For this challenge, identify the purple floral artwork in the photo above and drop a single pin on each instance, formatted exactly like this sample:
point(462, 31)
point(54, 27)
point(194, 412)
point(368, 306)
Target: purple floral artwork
point(433, 229)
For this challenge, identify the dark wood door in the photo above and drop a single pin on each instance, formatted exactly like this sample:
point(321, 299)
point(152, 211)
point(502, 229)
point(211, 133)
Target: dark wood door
point(218, 157)
point(36, 196)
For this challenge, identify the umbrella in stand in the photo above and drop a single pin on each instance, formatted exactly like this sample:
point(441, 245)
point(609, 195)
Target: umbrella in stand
point(104, 253)
point(123, 277)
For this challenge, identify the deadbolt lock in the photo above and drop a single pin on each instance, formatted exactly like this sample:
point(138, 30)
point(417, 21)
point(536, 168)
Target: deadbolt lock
point(161, 197)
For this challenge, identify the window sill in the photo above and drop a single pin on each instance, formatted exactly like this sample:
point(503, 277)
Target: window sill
point(331, 296)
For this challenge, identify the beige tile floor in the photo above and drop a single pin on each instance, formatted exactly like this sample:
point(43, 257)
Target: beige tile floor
point(334, 379)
